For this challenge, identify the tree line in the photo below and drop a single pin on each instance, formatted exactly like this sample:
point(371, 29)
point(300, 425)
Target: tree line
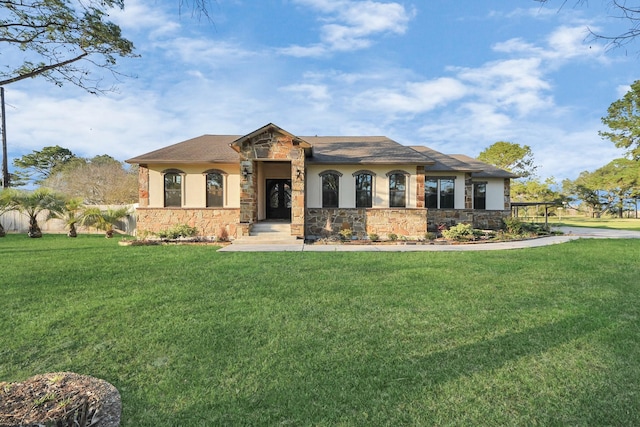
point(613, 188)
point(69, 188)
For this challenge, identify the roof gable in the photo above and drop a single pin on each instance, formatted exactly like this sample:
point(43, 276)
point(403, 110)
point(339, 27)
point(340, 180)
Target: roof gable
point(265, 135)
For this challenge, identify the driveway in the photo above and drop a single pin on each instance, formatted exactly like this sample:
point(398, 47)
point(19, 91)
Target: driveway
point(599, 233)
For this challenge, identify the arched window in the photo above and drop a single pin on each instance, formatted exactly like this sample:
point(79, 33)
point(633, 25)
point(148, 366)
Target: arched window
point(173, 187)
point(215, 188)
point(364, 189)
point(330, 188)
point(397, 189)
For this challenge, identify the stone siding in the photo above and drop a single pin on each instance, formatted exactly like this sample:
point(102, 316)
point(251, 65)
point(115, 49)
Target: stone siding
point(209, 222)
point(327, 222)
point(484, 220)
point(272, 145)
point(143, 186)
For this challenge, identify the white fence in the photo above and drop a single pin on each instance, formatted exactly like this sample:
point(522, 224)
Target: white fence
point(16, 222)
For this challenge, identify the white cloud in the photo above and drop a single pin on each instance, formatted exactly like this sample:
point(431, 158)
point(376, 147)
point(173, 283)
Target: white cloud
point(313, 51)
point(571, 42)
point(351, 25)
point(514, 85)
point(205, 52)
point(412, 97)
point(139, 16)
point(622, 90)
point(309, 91)
point(541, 12)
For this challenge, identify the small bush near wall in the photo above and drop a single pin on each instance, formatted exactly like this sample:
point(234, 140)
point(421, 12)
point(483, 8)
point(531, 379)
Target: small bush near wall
point(516, 227)
point(461, 232)
point(181, 230)
point(346, 234)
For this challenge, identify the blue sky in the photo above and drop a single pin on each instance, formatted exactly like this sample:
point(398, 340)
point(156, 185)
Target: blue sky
point(455, 76)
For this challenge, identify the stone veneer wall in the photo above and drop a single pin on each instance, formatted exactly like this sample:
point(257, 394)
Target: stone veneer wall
point(143, 186)
point(208, 221)
point(484, 220)
point(271, 145)
point(325, 222)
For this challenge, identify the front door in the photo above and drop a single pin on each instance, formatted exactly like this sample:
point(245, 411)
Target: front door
point(279, 199)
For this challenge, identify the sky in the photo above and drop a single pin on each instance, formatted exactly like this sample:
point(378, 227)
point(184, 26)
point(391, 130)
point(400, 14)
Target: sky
point(456, 76)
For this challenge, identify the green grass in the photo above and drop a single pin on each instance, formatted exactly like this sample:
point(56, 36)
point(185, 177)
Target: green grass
point(578, 221)
point(192, 337)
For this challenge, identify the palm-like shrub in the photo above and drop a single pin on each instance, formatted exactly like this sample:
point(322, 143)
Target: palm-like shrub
point(32, 203)
point(5, 206)
point(104, 219)
point(71, 212)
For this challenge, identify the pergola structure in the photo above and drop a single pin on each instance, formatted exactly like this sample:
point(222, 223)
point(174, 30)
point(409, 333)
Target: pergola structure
point(516, 205)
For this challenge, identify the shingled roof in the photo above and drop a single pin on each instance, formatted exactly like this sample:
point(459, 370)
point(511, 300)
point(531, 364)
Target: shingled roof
point(203, 149)
point(362, 150)
point(462, 163)
point(487, 170)
point(327, 150)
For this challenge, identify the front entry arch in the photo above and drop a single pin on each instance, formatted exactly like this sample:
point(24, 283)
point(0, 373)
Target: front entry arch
point(278, 200)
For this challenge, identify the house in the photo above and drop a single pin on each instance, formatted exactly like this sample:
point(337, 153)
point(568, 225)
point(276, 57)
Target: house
point(223, 184)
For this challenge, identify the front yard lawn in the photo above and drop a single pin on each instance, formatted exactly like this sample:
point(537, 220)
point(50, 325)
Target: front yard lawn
point(192, 337)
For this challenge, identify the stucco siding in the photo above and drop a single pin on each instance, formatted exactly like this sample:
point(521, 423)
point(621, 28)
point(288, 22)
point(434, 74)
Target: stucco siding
point(347, 190)
point(194, 184)
point(495, 194)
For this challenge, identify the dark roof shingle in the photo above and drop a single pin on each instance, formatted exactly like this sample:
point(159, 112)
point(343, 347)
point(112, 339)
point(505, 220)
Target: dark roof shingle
point(202, 149)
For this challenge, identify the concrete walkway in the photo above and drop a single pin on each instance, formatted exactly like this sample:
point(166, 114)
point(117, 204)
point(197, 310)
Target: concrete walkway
point(570, 233)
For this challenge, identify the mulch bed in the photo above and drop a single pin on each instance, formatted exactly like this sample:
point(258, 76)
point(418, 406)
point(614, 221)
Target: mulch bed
point(60, 399)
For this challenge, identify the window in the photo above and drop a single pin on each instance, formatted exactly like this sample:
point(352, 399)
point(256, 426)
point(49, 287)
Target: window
point(480, 195)
point(215, 188)
point(447, 193)
point(330, 188)
point(397, 189)
point(431, 193)
point(439, 193)
point(173, 188)
point(364, 189)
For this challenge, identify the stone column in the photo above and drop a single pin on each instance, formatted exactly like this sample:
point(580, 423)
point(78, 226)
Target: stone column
point(248, 180)
point(420, 187)
point(298, 173)
point(143, 186)
point(468, 191)
point(507, 194)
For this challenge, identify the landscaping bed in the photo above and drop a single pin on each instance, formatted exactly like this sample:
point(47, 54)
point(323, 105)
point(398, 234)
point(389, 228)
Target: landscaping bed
point(62, 399)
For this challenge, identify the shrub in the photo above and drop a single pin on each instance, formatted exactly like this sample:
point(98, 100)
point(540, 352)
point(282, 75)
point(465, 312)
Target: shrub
point(346, 234)
point(429, 235)
point(513, 225)
point(519, 228)
point(222, 236)
point(393, 237)
point(181, 230)
point(374, 237)
point(461, 232)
